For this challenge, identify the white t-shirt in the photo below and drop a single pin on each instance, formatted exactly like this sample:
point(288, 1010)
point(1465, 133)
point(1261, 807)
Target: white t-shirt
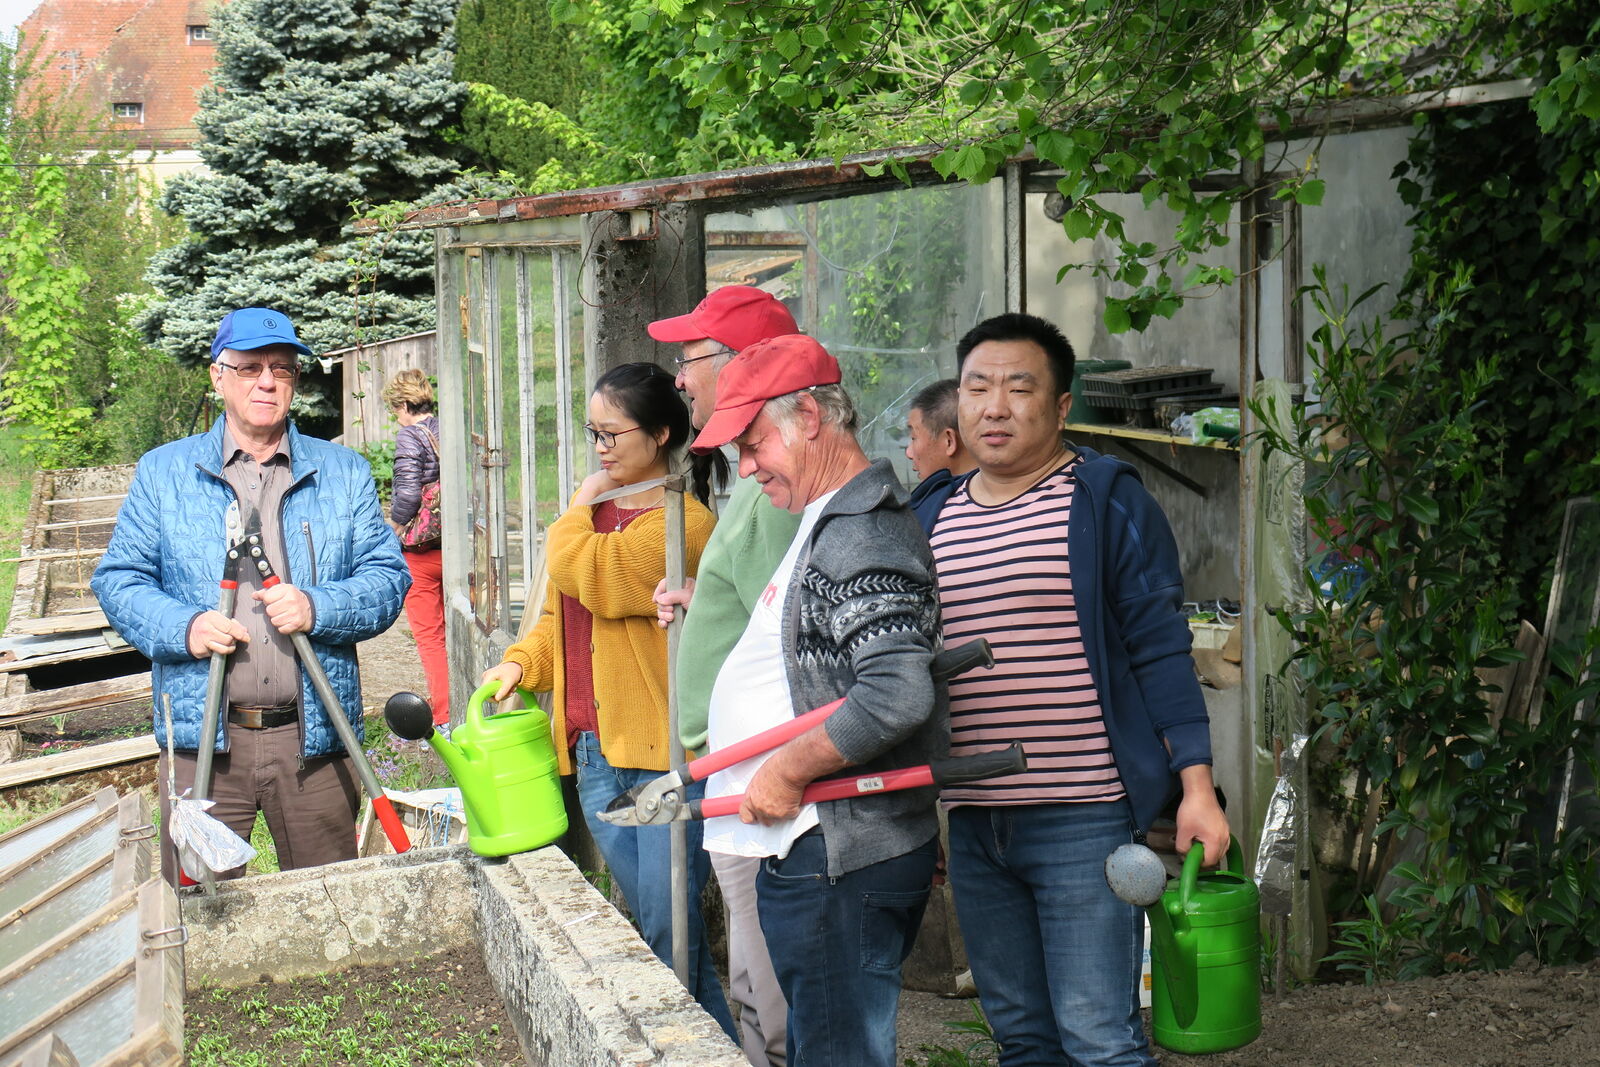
point(751, 694)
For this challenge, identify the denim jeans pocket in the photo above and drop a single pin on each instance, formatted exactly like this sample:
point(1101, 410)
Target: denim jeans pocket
point(889, 919)
point(806, 862)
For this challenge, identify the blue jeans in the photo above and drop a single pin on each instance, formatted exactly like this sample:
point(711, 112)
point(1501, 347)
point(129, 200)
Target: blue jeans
point(640, 859)
point(1054, 953)
point(837, 945)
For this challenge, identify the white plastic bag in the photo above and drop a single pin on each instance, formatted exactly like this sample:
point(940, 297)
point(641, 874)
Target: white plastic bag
point(199, 835)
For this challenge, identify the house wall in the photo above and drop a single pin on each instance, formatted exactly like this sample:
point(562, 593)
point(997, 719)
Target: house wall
point(97, 53)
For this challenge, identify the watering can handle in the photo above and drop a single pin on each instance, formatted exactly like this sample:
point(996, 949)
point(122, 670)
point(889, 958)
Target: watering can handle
point(487, 690)
point(1193, 861)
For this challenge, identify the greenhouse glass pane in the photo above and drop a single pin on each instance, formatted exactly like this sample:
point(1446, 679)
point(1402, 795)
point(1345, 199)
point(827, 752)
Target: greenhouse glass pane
point(96, 1029)
point(887, 281)
point(27, 932)
point(54, 866)
point(41, 835)
point(92, 955)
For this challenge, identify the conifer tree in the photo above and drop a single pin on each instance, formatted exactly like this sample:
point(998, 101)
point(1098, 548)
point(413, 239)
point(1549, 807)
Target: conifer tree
point(315, 106)
point(513, 46)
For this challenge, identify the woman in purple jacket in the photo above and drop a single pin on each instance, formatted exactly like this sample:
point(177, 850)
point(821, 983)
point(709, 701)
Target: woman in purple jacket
point(416, 463)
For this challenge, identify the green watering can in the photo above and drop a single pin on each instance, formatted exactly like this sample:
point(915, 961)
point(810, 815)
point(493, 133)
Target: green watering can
point(1205, 947)
point(504, 764)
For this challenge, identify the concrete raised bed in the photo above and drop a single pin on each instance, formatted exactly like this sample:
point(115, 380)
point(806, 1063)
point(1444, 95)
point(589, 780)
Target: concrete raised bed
point(579, 984)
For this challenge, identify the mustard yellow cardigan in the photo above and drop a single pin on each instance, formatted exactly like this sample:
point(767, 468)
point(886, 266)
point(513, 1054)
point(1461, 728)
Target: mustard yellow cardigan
point(614, 575)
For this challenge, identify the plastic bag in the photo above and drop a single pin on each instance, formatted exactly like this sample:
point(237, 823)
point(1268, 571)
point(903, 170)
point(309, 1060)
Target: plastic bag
point(200, 836)
point(1275, 864)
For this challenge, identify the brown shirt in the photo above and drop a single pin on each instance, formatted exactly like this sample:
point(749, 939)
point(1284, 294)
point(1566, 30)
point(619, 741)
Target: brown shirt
point(262, 673)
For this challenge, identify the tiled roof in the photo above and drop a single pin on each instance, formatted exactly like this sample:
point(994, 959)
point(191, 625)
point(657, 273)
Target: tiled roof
point(106, 52)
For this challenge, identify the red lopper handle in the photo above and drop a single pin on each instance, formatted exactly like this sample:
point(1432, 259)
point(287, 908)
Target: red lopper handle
point(389, 819)
point(722, 759)
point(834, 789)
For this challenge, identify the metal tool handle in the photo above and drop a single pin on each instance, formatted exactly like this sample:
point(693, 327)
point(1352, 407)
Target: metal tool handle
point(211, 712)
point(382, 806)
point(388, 818)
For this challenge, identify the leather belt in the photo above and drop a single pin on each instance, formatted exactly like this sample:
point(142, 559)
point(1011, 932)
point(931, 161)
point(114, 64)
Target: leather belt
point(262, 718)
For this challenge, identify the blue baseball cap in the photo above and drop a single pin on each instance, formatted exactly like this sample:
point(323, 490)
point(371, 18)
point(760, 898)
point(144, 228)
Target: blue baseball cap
point(250, 328)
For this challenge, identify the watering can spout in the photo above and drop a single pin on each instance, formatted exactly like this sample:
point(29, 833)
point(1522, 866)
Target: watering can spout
point(410, 717)
point(1136, 875)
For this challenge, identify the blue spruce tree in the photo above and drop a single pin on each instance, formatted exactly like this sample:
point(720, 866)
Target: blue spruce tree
point(314, 106)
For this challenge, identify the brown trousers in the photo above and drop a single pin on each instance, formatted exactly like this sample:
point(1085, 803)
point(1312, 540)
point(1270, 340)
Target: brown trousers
point(311, 812)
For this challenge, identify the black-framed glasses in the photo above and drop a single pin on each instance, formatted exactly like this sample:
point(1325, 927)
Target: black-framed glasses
point(682, 362)
point(284, 372)
point(606, 437)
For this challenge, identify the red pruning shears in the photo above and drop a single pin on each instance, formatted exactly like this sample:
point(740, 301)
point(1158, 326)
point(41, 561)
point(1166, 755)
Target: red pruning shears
point(661, 801)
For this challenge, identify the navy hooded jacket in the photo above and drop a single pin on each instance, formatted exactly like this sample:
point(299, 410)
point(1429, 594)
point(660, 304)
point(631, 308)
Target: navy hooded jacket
point(1129, 594)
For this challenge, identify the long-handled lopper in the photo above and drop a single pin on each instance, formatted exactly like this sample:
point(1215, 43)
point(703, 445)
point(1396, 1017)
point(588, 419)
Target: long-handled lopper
point(660, 802)
point(382, 806)
point(211, 713)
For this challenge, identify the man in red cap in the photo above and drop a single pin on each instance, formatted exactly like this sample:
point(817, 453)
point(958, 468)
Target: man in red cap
point(851, 612)
point(750, 538)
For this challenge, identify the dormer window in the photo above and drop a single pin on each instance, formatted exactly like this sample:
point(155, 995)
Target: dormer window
point(128, 112)
point(199, 33)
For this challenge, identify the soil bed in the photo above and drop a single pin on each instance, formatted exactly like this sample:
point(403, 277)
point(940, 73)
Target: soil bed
point(440, 1010)
point(1525, 1015)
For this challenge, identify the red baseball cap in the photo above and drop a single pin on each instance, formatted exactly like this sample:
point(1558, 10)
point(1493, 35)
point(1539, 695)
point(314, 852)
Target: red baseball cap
point(735, 315)
point(773, 367)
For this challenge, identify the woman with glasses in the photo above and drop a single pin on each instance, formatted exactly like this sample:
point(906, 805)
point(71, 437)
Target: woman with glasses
point(597, 648)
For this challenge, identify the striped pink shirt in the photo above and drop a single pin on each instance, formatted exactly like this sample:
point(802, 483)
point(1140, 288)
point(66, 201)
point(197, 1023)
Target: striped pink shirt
point(1005, 573)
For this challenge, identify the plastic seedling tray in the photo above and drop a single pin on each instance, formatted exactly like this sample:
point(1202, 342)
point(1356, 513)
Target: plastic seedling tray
point(1147, 381)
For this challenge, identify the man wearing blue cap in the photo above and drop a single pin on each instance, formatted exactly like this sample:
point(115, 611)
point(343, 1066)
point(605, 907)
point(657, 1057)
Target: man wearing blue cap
point(343, 580)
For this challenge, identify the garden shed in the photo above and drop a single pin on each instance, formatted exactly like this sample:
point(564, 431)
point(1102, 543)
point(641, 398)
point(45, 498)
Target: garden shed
point(539, 295)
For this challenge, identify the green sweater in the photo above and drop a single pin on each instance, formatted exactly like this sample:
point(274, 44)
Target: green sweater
point(746, 547)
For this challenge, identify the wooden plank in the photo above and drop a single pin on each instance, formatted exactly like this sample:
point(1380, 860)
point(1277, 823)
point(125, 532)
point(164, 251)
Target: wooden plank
point(107, 643)
point(1131, 433)
point(54, 501)
point(108, 754)
point(75, 524)
point(70, 622)
point(10, 744)
point(42, 703)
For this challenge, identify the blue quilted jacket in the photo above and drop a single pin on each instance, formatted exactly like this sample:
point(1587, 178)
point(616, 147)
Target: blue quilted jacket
point(164, 566)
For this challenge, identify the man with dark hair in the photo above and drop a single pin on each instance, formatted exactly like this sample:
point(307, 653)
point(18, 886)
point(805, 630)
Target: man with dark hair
point(1061, 558)
point(934, 443)
point(343, 580)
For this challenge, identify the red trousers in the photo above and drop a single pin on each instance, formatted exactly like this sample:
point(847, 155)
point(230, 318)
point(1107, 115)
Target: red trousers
point(425, 612)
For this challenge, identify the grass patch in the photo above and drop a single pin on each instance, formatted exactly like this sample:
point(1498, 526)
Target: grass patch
point(20, 810)
point(16, 486)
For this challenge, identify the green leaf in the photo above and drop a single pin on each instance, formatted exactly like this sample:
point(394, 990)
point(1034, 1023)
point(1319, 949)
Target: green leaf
point(1116, 317)
point(1310, 192)
point(1078, 224)
point(973, 92)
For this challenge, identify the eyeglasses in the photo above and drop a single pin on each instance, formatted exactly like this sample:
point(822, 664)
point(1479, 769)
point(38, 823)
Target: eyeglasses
point(681, 362)
point(606, 437)
point(284, 372)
